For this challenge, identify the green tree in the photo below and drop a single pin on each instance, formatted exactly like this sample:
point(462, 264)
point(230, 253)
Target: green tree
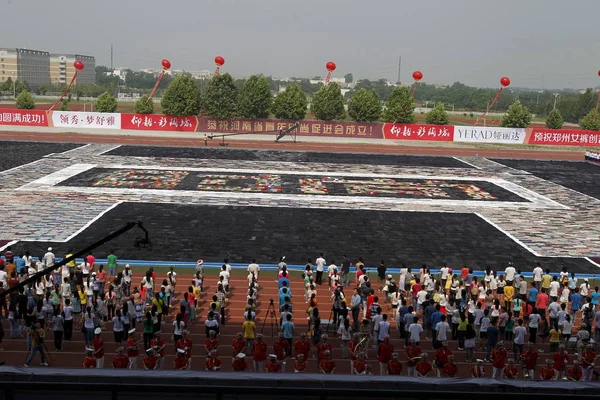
point(437, 115)
point(25, 101)
point(400, 107)
point(348, 78)
point(21, 86)
point(517, 116)
point(182, 97)
point(589, 123)
point(220, 99)
point(328, 103)
point(554, 120)
point(291, 104)
point(255, 99)
point(64, 105)
point(106, 103)
point(143, 106)
point(364, 106)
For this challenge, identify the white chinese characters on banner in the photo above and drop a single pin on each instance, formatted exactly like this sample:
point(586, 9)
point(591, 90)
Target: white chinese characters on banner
point(23, 117)
point(476, 134)
point(70, 119)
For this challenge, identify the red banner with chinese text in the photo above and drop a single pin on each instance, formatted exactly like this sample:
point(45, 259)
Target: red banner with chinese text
point(23, 117)
point(564, 137)
point(306, 128)
point(159, 122)
point(438, 133)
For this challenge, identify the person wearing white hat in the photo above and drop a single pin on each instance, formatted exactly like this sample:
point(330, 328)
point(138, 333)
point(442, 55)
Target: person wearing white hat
point(150, 359)
point(99, 348)
point(49, 258)
point(132, 349)
point(273, 365)
point(120, 361)
point(213, 363)
point(300, 364)
point(89, 361)
point(185, 344)
point(181, 361)
point(239, 363)
point(200, 266)
point(478, 370)
point(127, 277)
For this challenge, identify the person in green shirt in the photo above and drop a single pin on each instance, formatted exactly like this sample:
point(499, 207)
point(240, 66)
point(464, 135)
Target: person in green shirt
point(508, 331)
point(112, 263)
point(148, 330)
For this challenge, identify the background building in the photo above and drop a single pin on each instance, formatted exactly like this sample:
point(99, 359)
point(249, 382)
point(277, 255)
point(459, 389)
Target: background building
point(32, 66)
point(62, 69)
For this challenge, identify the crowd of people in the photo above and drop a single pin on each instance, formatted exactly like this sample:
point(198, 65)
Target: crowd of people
point(508, 319)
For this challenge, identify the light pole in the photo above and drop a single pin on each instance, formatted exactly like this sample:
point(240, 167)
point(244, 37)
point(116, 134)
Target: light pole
point(555, 97)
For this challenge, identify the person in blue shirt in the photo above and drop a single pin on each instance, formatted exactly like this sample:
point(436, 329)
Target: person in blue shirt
point(288, 329)
point(576, 300)
point(595, 295)
point(285, 291)
point(532, 294)
point(284, 280)
point(283, 296)
point(435, 318)
point(470, 276)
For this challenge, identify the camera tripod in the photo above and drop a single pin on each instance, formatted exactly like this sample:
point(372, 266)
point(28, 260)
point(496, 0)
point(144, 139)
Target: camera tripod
point(273, 319)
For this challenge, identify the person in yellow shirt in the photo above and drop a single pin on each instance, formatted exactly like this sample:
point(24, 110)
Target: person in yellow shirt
point(546, 280)
point(249, 329)
point(82, 300)
point(509, 292)
point(554, 339)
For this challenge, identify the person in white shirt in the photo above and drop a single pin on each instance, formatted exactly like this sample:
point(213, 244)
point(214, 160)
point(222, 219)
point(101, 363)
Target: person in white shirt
point(510, 272)
point(254, 268)
point(27, 259)
point(415, 329)
point(564, 295)
point(554, 285)
point(320, 263)
point(49, 258)
point(384, 328)
point(225, 275)
point(537, 276)
point(3, 277)
point(226, 262)
point(444, 274)
point(443, 329)
point(331, 270)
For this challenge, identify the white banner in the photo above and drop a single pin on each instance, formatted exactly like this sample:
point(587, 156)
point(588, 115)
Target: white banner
point(491, 134)
point(71, 119)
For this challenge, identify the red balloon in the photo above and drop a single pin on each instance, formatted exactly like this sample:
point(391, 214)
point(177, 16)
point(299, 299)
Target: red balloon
point(78, 65)
point(417, 75)
point(504, 81)
point(219, 60)
point(598, 73)
point(330, 66)
point(166, 64)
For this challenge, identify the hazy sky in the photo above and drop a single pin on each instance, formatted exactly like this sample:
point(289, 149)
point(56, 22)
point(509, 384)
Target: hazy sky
point(471, 41)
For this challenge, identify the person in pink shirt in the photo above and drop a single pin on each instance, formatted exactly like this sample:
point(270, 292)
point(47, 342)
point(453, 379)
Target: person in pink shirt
point(101, 277)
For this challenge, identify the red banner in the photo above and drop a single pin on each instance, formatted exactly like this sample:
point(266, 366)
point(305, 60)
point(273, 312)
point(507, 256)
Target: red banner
point(158, 122)
point(564, 137)
point(306, 128)
point(23, 117)
point(439, 133)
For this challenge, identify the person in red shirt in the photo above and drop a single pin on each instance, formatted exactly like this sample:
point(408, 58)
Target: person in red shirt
point(450, 368)
point(547, 373)
point(259, 353)
point(441, 357)
point(541, 303)
point(132, 349)
point(239, 363)
point(464, 272)
point(273, 365)
point(370, 301)
point(423, 367)
point(281, 348)
point(158, 344)
point(238, 344)
point(359, 366)
point(413, 352)
point(510, 371)
point(394, 366)
point(302, 346)
point(98, 343)
point(300, 364)
point(588, 357)
point(211, 342)
point(529, 358)
point(181, 361)
point(384, 354)
point(326, 365)
point(120, 361)
point(499, 355)
point(574, 373)
point(323, 346)
point(89, 361)
point(185, 343)
point(478, 370)
point(560, 363)
point(150, 360)
point(90, 259)
point(213, 363)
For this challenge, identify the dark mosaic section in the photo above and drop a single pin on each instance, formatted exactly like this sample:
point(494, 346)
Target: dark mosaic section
point(187, 232)
point(291, 184)
point(14, 154)
point(577, 175)
point(291, 156)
